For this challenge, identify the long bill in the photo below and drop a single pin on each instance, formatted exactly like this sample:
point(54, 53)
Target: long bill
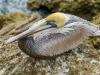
point(33, 28)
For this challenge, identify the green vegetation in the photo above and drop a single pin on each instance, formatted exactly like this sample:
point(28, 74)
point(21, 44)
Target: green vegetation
point(11, 18)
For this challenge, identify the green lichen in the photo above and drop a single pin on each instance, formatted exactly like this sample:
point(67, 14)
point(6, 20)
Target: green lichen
point(83, 8)
point(94, 41)
point(11, 18)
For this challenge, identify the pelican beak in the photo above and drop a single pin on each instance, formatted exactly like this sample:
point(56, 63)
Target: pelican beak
point(37, 26)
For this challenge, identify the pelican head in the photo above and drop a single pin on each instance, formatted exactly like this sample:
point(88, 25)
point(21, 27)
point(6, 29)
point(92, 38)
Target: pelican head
point(57, 19)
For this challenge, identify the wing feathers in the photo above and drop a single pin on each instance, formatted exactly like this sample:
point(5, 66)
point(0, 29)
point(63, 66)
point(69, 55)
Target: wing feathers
point(87, 27)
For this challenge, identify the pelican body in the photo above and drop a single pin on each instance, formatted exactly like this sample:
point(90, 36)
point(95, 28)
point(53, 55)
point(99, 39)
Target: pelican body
point(54, 35)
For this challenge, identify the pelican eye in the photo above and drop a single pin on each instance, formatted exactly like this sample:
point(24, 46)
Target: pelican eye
point(52, 23)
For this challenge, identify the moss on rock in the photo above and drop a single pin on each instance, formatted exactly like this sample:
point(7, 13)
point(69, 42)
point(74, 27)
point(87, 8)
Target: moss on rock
point(11, 18)
point(94, 42)
point(78, 7)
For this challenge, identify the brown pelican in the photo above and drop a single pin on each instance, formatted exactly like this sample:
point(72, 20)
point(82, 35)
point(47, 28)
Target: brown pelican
point(54, 35)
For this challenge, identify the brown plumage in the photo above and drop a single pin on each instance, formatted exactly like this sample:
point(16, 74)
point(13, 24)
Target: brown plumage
point(51, 42)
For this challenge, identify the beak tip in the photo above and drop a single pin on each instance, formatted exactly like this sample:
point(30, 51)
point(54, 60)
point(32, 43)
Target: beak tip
point(9, 40)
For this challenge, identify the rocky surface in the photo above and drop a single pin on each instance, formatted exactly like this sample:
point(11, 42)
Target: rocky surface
point(78, 7)
point(79, 61)
point(84, 60)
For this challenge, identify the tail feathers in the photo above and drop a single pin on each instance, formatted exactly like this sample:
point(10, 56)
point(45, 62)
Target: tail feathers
point(97, 33)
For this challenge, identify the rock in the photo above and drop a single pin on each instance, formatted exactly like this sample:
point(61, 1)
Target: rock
point(94, 41)
point(77, 7)
point(78, 61)
point(13, 6)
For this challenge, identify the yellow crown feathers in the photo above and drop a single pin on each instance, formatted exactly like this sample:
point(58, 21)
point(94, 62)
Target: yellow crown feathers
point(58, 18)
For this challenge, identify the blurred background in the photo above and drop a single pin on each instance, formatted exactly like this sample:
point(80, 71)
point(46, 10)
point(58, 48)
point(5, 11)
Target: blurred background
point(17, 15)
